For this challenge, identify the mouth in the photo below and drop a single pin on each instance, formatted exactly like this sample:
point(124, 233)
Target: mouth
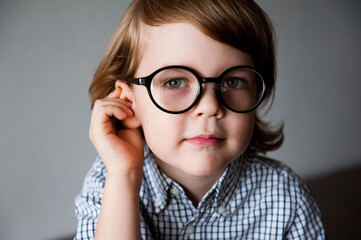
point(205, 140)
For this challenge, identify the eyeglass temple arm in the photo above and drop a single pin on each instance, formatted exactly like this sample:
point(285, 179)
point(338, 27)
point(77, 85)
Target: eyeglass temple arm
point(138, 81)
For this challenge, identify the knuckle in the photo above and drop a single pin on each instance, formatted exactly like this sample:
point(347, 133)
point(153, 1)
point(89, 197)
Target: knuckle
point(98, 102)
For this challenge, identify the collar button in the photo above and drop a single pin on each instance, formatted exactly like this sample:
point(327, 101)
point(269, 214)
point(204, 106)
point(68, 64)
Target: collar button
point(174, 192)
point(158, 202)
point(222, 210)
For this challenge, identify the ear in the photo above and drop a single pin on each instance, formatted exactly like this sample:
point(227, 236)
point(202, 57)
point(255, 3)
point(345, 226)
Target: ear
point(127, 94)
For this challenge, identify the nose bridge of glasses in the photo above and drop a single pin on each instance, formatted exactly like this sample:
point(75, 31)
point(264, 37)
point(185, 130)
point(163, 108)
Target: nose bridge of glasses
point(211, 89)
point(209, 80)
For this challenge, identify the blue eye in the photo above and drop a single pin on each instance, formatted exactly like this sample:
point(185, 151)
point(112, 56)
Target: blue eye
point(234, 83)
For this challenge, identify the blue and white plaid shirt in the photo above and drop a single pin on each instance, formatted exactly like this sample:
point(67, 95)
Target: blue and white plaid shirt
point(256, 198)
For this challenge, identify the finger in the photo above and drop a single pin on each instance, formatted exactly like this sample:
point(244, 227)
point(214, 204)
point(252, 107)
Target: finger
point(123, 104)
point(102, 125)
point(131, 122)
point(116, 93)
point(104, 112)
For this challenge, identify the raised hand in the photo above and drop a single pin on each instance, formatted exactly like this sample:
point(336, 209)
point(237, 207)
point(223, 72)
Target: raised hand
point(120, 149)
point(122, 152)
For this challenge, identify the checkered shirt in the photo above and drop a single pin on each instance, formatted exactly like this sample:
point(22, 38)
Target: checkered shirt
point(256, 198)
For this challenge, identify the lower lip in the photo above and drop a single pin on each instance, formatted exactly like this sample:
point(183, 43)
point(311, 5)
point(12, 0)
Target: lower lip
point(205, 142)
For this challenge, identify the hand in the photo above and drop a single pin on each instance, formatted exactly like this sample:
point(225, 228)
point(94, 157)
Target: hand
point(121, 150)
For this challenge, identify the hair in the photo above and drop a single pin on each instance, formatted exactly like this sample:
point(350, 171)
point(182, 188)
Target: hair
point(238, 23)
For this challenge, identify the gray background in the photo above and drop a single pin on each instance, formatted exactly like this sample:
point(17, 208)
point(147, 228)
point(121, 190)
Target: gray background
point(50, 49)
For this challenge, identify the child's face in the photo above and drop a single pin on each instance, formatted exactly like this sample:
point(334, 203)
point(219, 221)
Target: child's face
point(204, 140)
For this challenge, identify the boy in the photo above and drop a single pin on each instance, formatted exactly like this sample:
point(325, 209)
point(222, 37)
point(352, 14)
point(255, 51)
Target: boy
point(175, 126)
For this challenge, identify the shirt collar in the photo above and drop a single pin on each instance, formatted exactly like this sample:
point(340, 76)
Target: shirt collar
point(222, 191)
point(159, 183)
point(226, 201)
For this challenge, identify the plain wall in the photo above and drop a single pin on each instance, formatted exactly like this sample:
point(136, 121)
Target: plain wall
point(50, 49)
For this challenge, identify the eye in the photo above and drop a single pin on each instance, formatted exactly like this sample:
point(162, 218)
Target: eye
point(176, 83)
point(234, 83)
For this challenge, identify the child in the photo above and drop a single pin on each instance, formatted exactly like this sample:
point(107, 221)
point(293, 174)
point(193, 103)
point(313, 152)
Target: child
point(178, 137)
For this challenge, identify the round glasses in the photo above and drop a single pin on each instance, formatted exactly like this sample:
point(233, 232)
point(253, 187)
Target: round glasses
point(176, 89)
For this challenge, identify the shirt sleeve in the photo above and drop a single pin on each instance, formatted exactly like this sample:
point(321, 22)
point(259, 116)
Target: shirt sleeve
point(88, 202)
point(307, 223)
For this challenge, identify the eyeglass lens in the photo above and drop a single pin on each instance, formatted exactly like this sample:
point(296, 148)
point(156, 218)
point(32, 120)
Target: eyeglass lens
point(176, 89)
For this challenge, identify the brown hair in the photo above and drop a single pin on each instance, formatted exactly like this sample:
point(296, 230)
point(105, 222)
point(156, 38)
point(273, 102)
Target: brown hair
point(239, 23)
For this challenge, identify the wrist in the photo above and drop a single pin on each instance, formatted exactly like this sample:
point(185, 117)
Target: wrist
point(128, 180)
point(120, 215)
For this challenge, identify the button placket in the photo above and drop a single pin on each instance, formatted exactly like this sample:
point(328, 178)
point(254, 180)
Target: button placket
point(222, 212)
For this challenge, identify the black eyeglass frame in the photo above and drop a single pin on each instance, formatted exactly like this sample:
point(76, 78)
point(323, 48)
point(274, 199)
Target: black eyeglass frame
point(146, 81)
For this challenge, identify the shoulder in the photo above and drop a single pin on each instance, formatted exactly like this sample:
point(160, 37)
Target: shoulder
point(263, 170)
point(265, 163)
point(93, 185)
point(274, 184)
point(277, 191)
point(88, 202)
point(95, 178)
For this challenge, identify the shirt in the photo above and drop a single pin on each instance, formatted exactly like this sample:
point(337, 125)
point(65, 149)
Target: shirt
point(255, 198)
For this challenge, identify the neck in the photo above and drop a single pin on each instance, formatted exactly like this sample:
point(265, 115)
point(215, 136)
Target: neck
point(195, 187)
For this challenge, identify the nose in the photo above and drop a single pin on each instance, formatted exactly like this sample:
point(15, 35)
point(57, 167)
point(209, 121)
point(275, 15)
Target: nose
point(208, 104)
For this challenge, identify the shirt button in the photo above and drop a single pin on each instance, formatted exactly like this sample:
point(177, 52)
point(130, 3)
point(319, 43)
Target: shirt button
point(190, 230)
point(174, 192)
point(222, 210)
point(158, 202)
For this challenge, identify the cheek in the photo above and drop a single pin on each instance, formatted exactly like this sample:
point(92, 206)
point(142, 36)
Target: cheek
point(162, 136)
point(156, 124)
point(243, 130)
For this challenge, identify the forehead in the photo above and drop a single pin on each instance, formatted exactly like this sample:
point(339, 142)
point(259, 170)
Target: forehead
point(183, 44)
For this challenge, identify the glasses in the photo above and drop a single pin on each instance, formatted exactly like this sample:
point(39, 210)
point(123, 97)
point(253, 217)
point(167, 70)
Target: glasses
point(177, 89)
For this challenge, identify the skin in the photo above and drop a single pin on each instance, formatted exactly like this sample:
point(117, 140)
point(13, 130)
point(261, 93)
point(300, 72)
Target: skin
point(193, 148)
